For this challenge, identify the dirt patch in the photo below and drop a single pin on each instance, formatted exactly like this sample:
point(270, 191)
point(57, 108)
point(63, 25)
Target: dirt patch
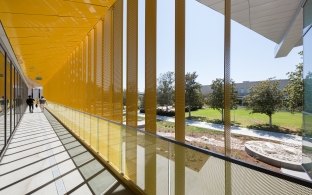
point(215, 142)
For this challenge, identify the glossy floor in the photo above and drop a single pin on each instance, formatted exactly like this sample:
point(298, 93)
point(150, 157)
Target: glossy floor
point(44, 158)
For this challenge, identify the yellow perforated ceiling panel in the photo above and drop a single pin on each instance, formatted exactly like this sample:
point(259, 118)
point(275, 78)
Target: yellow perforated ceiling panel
point(43, 33)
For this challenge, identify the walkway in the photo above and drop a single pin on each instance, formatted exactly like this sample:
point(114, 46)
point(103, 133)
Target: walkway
point(287, 138)
point(44, 158)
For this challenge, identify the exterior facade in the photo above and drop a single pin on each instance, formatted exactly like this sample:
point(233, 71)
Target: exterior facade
point(244, 87)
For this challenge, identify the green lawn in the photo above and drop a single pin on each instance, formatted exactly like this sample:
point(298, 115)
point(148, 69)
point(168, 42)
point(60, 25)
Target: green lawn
point(283, 121)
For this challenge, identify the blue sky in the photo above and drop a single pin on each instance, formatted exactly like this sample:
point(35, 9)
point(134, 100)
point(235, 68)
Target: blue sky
point(251, 54)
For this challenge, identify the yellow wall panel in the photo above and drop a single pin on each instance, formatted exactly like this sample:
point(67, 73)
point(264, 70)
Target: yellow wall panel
point(92, 72)
point(132, 64)
point(117, 61)
point(107, 66)
point(98, 48)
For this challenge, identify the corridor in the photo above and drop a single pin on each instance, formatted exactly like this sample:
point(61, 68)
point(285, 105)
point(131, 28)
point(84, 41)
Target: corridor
point(44, 158)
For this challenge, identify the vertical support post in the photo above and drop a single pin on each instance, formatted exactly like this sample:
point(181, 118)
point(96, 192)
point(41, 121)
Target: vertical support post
point(150, 93)
point(180, 70)
point(150, 65)
point(227, 78)
point(39, 93)
point(227, 95)
point(179, 169)
point(150, 165)
point(132, 64)
point(32, 92)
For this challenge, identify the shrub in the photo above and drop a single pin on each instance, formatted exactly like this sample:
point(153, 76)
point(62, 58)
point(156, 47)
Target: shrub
point(162, 112)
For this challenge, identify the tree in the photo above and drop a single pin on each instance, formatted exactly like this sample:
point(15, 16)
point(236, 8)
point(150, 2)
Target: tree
point(294, 89)
point(165, 89)
point(141, 101)
point(193, 95)
point(124, 97)
point(216, 99)
point(265, 98)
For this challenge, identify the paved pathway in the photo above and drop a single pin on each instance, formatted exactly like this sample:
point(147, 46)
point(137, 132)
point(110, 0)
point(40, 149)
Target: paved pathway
point(288, 138)
point(44, 158)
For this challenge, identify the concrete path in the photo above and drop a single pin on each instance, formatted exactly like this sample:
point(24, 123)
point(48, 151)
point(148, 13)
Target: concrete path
point(287, 138)
point(44, 158)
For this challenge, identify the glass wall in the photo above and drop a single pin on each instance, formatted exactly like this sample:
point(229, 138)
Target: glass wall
point(204, 74)
point(8, 97)
point(267, 87)
point(307, 114)
point(13, 94)
point(2, 100)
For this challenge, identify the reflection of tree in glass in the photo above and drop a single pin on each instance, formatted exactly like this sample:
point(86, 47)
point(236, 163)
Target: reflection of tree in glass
point(308, 92)
point(307, 119)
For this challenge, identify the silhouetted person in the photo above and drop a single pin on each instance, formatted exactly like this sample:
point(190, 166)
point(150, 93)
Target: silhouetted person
point(42, 102)
point(30, 103)
point(2, 103)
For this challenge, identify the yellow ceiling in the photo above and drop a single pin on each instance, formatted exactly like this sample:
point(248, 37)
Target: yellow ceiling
point(44, 32)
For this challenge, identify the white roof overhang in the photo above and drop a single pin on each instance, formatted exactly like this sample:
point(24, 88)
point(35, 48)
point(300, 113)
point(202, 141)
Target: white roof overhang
point(280, 21)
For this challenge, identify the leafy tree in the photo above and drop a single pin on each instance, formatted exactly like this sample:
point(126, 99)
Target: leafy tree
point(165, 89)
point(265, 98)
point(141, 101)
point(294, 89)
point(124, 97)
point(216, 99)
point(193, 95)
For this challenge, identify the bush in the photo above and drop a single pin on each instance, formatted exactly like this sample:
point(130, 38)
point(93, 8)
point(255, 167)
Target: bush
point(162, 112)
point(193, 108)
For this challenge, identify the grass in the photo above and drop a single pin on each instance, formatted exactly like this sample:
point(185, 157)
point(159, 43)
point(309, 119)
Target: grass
point(282, 121)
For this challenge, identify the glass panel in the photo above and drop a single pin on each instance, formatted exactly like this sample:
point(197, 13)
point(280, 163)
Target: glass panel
point(307, 117)
point(267, 94)
point(8, 98)
point(307, 16)
point(204, 69)
point(2, 101)
point(165, 67)
point(141, 64)
point(14, 97)
point(157, 166)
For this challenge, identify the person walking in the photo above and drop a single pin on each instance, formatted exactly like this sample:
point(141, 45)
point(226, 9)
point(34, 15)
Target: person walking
point(2, 104)
point(30, 103)
point(42, 102)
